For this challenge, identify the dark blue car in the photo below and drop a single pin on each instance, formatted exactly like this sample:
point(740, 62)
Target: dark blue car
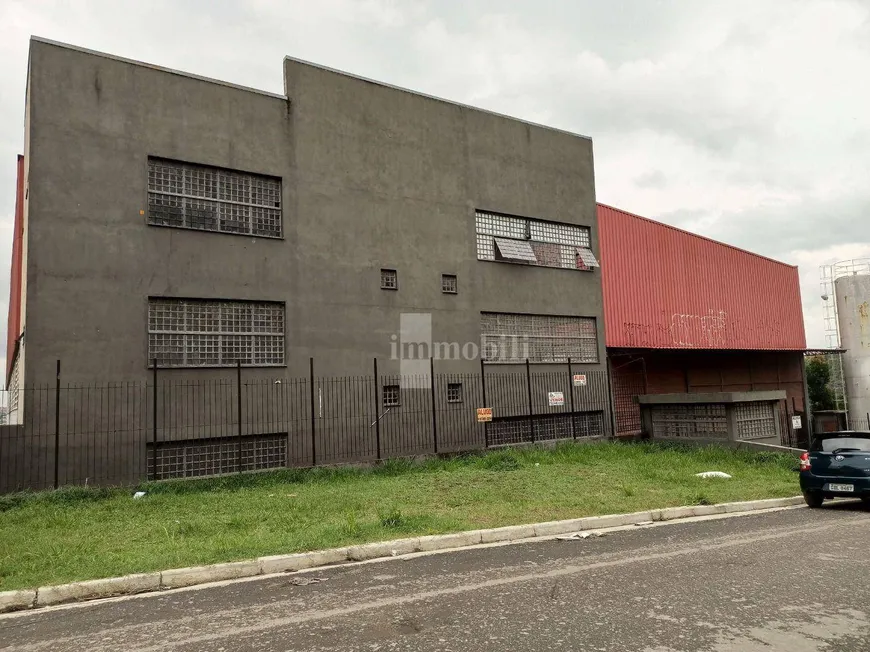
point(836, 466)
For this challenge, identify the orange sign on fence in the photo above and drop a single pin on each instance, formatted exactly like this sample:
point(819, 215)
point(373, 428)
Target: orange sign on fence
point(484, 414)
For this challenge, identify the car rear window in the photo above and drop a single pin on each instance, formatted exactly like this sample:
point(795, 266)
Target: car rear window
point(833, 443)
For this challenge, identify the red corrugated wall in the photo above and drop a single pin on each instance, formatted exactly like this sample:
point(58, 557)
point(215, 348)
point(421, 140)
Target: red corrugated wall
point(13, 322)
point(665, 288)
point(660, 371)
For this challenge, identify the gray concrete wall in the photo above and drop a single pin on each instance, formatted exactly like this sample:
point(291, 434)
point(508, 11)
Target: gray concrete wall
point(372, 177)
point(93, 261)
point(387, 178)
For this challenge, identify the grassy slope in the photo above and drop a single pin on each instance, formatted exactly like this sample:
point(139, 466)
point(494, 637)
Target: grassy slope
point(82, 534)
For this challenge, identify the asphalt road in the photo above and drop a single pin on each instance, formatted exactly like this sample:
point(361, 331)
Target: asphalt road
point(794, 580)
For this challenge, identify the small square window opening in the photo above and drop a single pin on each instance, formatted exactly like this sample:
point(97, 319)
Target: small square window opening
point(389, 279)
point(454, 392)
point(391, 395)
point(448, 284)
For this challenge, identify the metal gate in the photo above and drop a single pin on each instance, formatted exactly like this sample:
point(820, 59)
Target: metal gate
point(791, 434)
point(629, 380)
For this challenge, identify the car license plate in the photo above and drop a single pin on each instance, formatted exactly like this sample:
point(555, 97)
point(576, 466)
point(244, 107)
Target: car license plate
point(841, 487)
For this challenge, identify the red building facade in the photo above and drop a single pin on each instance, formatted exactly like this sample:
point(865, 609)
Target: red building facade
point(13, 330)
point(686, 314)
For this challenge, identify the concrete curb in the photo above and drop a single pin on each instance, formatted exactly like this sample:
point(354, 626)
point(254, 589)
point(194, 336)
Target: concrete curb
point(183, 577)
point(97, 589)
point(16, 600)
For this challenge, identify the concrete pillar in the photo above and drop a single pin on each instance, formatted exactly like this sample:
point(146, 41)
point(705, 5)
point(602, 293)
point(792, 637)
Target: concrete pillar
point(731, 419)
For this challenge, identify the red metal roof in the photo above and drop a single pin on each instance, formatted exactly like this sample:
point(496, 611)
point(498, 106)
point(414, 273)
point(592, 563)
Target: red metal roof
point(665, 288)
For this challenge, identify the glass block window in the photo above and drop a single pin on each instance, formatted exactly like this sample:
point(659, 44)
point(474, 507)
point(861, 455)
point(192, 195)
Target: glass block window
point(392, 395)
point(530, 241)
point(755, 420)
point(389, 279)
point(567, 234)
point(204, 333)
point(216, 456)
point(14, 392)
point(206, 198)
point(707, 421)
point(454, 392)
point(448, 284)
point(514, 338)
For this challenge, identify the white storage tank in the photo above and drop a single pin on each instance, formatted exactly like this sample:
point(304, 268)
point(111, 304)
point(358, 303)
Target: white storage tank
point(852, 293)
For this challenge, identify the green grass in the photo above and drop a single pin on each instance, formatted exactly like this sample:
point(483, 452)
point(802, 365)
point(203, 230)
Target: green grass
point(77, 533)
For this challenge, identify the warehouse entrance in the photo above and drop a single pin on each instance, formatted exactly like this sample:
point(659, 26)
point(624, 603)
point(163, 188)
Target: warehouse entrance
point(628, 378)
point(668, 371)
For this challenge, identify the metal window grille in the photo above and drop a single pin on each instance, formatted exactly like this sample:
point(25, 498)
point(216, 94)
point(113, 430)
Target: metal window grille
point(515, 251)
point(539, 338)
point(547, 254)
point(206, 198)
point(448, 284)
point(586, 259)
point(629, 380)
point(454, 392)
point(203, 333)
point(531, 241)
point(389, 279)
point(391, 395)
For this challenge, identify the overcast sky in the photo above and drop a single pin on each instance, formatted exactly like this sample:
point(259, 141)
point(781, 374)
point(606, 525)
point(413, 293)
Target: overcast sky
point(746, 121)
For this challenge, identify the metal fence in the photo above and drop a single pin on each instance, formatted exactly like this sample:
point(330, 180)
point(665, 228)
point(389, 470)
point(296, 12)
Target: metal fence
point(124, 433)
point(860, 422)
point(794, 430)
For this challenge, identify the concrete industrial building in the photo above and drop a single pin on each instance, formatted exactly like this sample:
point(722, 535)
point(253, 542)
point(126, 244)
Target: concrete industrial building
point(329, 212)
point(166, 216)
point(339, 243)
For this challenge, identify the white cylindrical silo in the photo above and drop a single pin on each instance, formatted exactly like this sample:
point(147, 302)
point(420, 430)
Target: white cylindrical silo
point(852, 293)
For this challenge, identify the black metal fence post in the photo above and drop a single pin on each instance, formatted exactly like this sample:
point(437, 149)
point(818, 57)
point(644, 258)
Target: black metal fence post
point(571, 394)
point(531, 411)
point(377, 412)
point(154, 427)
point(793, 440)
point(611, 405)
point(57, 427)
point(434, 419)
point(483, 393)
point(313, 421)
point(239, 410)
